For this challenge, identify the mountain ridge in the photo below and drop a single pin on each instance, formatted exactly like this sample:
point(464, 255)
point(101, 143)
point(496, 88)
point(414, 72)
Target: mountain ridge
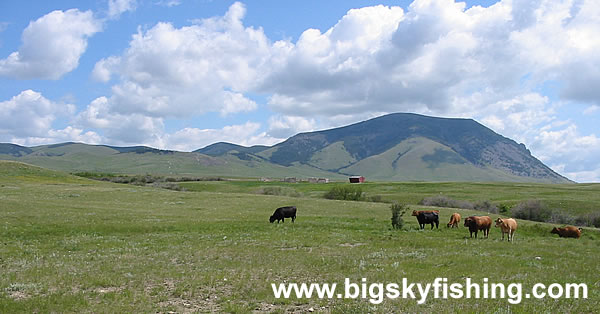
point(393, 147)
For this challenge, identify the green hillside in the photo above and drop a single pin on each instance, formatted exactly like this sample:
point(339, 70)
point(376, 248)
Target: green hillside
point(394, 147)
point(76, 157)
point(452, 150)
point(421, 159)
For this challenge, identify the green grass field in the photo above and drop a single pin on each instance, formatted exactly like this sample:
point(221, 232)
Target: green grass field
point(69, 244)
point(572, 198)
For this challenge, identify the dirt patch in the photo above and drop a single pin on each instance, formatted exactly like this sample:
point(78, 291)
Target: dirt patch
point(352, 244)
point(108, 289)
point(18, 295)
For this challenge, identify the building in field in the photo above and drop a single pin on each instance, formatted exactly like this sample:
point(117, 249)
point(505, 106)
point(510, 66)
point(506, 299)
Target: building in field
point(357, 179)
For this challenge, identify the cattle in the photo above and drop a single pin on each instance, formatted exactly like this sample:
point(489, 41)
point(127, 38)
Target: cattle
point(476, 223)
point(417, 212)
point(454, 220)
point(508, 226)
point(567, 232)
point(283, 212)
point(428, 217)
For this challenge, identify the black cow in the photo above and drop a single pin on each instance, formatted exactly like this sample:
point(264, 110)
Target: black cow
point(283, 212)
point(428, 218)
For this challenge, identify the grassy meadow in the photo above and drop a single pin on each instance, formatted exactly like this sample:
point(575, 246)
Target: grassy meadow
point(69, 244)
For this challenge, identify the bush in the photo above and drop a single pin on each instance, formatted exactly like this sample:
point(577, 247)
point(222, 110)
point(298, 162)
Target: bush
point(398, 210)
point(559, 217)
point(532, 210)
point(277, 190)
point(346, 193)
point(590, 220)
point(486, 206)
point(503, 208)
point(376, 199)
point(444, 201)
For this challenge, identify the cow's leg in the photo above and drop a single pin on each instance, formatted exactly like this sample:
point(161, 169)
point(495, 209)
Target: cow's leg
point(293, 218)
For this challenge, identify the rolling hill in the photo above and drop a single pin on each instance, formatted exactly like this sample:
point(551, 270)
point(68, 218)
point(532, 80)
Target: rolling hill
point(394, 147)
point(78, 157)
point(407, 147)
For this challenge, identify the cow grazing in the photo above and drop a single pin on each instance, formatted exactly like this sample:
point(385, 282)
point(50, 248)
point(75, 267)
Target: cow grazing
point(428, 217)
point(476, 223)
point(508, 226)
point(567, 232)
point(283, 212)
point(454, 220)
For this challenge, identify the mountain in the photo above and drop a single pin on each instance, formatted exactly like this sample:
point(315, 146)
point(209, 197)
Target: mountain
point(394, 147)
point(404, 146)
point(78, 157)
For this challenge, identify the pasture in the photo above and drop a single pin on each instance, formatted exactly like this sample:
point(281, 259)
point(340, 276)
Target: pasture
point(69, 244)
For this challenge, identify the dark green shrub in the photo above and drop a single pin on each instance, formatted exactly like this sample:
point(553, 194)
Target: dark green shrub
point(532, 210)
point(503, 208)
point(278, 190)
point(346, 193)
point(398, 210)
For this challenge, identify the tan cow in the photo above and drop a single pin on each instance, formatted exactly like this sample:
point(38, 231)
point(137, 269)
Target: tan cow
point(508, 226)
point(567, 232)
point(454, 220)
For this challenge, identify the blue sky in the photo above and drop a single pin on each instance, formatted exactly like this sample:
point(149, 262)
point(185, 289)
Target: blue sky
point(184, 74)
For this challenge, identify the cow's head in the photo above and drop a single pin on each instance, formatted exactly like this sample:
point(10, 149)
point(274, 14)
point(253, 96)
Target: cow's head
point(554, 230)
point(271, 219)
point(469, 221)
point(498, 222)
point(415, 213)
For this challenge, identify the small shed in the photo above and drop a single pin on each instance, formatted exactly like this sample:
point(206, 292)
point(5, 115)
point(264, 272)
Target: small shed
point(357, 179)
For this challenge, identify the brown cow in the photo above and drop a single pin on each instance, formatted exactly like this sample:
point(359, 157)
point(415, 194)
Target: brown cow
point(454, 220)
point(567, 232)
point(417, 212)
point(508, 226)
point(476, 223)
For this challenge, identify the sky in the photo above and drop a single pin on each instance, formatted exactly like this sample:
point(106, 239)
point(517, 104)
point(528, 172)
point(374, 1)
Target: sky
point(183, 74)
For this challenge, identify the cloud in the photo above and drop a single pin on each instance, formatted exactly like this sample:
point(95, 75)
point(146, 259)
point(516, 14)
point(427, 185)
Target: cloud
point(285, 126)
point(566, 150)
point(118, 7)
point(68, 134)
point(177, 72)
point(591, 109)
point(118, 128)
point(30, 114)
point(190, 139)
point(382, 58)
point(52, 46)
point(28, 119)
point(169, 3)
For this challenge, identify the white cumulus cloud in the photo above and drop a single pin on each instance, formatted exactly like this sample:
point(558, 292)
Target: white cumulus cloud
point(247, 134)
point(118, 7)
point(52, 45)
point(30, 114)
point(204, 67)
